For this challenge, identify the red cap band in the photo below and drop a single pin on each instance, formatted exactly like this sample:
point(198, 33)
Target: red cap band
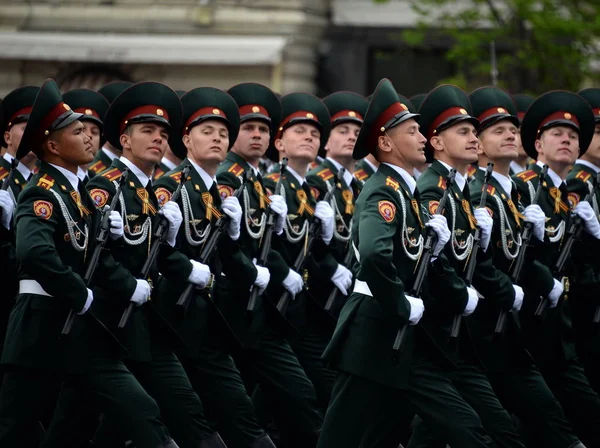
point(24, 111)
point(560, 115)
point(253, 109)
point(300, 114)
point(452, 112)
point(58, 110)
point(209, 110)
point(88, 111)
point(148, 109)
point(351, 114)
point(491, 112)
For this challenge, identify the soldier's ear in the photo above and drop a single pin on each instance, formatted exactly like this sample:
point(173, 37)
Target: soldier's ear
point(52, 146)
point(436, 143)
point(279, 146)
point(538, 146)
point(384, 143)
point(187, 141)
point(125, 141)
point(7, 138)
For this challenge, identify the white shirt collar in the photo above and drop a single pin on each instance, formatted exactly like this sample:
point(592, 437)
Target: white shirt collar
point(168, 163)
point(135, 170)
point(504, 181)
point(72, 178)
point(81, 173)
point(595, 168)
point(111, 155)
point(255, 169)
point(299, 178)
point(416, 173)
point(459, 179)
point(25, 172)
point(556, 180)
point(517, 168)
point(347, 174)
point(410, 181)
point(208, 181)
point(371, 164)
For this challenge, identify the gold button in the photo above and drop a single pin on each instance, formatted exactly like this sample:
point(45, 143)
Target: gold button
point(404, 106)
point(501, 110)
point(464, 112)
point(255, 109)
point(159, 112)
point(352, 114)
point(568, 115)
point(309, 115)
point(66, 106)
point(216, 112)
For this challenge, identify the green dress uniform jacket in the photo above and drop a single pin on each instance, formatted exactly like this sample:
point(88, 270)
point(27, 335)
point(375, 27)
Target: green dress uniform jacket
point(363, 171)
point(100, 163)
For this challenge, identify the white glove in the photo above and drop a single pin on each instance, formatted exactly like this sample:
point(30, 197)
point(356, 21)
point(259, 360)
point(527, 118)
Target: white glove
point(232, 208)
point(200, 274)
point(342, 279)
point(534, 214)
point(263, 276)
point(439, 224)
point(519, 294)
point(172, 212)
point(7, 208)
point(485, 223)
point(116, 224)
point(472, 302)
point(416, 309)
point(555, 294)
point(142, 292)
point(324, 213)
point(279, 207)
point(88, 302)
point(293, 283)
point(585, 211)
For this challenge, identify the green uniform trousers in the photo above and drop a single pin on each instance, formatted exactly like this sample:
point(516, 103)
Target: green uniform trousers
point(475, 388)
point(362, 412)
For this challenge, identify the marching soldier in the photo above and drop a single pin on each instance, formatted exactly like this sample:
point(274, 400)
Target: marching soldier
point(519, 165)
point(378, 386)
point(210, 126)
point(55, 223)
point(509, 367)
point(557, 128)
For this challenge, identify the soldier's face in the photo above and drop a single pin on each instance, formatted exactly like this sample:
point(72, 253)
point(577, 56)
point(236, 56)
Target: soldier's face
point(405, 143)
point(300, 141)
point(499, 141)
point(342, 140)
point(559, 144)
point(207, 141)
point(522, 153)
point(253, 140)
point(593, 152)
point(13, 137)
point(459, 142)
point(145, 143)
point(71, 144)
point(93, 131)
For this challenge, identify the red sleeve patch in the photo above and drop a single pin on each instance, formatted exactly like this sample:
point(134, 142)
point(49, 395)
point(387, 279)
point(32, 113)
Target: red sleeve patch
point(387, 210)
point(574, 199)
point(163, 195)
point(225, 191)
point(43, 209)
point(99, 196)
point(433, 207)
point(315, 193)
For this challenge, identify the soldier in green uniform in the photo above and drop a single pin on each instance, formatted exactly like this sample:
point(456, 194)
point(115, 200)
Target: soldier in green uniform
point(55, 223)
point(108, 152)
point(378, 387)
point(511, 370)
point(582, 181)
point(557, 128)
point(92, 106)
point(139, 121)
point(519, 165)
point(211, 123)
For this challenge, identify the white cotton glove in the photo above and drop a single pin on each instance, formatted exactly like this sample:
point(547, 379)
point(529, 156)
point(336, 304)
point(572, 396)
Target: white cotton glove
point(485, 223)
point(279, 207)
point(116, 224)
point(585, 211)
point(232, 208)
point(416, 309)
point(440, 226)
point(200, 274)
point(293, 283)
point(555, 294)
point(7, 208)
point(472, 302)
point(142, 292)
point(534, 214)
point(324, 213)
point(263, 276)
point(172, 213)
point(519, 294)
point(342, 279)
point(88, 302)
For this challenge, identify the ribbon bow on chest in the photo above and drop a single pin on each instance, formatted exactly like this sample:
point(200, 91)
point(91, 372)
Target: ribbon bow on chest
point(519, 217)
point(147, 206)
point(262, 197)
point(83, 210)
point(304, 207)
point(209, 203)
point(559, 204)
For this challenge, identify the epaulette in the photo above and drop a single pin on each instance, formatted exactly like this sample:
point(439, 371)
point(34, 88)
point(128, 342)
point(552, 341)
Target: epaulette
point(390, 182)
point(313, 165)
point(97, 166)
point(3, 172)
point(175, 176)
point(584, 176)
point(442, 183)
point(46, 182)
point(273, 176)
point(325, 174)
point(236, 169)
point(361, 174)
point(471, 170)
point(526, 176)
point(491, 190)
point(158, 173)
point(112, 174)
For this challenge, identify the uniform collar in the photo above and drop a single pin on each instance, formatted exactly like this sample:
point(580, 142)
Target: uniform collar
point(20, 167)
point(590, 165)
point(556, 180)
point(72, 178)
point(299, 178)
point(170, 165)
point(416, 173)
point(348, 176)
point(504, 181)
point(371, 165)
point(111, 155)
point(135, 170)
point(81, 173)
point(459, 179)
point(410, 181)
point(517, 168)
point(208, 181)
point(236, 158)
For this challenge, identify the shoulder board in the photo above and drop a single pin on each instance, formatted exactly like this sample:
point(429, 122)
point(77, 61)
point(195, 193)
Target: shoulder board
point(313, 165)
point(390, 182)
point(175, 176)
point(98, 166)
point(236, 169)
point(491, 190)
point(361, 174)
point(273, 176)
point(3, 172)
point(442, 183)
point(46, 182)
point(471, 170)
point(526, 176)
point(112, 174)
point(325, 174)
point(158, 172)
point(583, 176)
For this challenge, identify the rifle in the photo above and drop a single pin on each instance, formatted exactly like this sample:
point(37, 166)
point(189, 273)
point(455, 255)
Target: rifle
point(470, 268)
point(160, 235)
point(334, 291)
point(517, 267)
point(101, 239)
point(313, 234)
point(209, 248)
point(265, 244)
point(430, 241)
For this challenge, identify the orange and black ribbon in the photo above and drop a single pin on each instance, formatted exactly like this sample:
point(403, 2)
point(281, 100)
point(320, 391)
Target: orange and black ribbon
point(262, 197)
point(304, 207)
point(467, 208)
point(415, 206)
point(513, 208)
point(83, 211)
point(347, 196)
point(147, 207)
point(210, 207)
point(559, 205)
